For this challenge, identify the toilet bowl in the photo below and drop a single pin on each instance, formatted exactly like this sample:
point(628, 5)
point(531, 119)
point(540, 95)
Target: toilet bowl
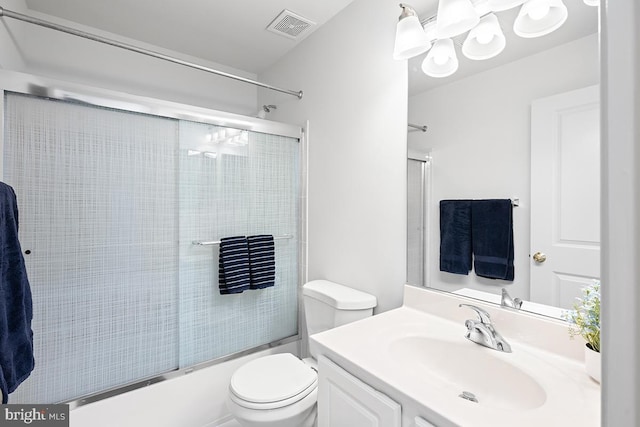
point(280, 390)
point(277, 390)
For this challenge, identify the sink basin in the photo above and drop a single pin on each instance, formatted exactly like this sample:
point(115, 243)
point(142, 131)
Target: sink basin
point(462, 366)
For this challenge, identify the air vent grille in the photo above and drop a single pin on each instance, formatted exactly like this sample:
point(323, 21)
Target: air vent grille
point(290, 25)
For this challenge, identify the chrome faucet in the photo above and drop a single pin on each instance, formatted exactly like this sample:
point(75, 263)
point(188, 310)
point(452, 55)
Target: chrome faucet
point(507, 301)
point(482, 331)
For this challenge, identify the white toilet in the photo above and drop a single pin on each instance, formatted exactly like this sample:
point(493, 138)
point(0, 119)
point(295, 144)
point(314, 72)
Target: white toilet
point(281, 390)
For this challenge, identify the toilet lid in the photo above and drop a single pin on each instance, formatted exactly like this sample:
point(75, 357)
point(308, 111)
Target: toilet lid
point(272, 378)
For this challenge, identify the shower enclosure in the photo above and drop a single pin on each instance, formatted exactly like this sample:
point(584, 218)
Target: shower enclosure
point(418, 210)
point(116, 196)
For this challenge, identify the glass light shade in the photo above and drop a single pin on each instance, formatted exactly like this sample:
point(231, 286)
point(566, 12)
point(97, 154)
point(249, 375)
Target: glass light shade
point(411, 40)
point(455, 17)
point(441, 61)
point(430, 30)
point(592, 2)
point(500, 5)
point(485, 40)
point(540, 17)
point(482, 7)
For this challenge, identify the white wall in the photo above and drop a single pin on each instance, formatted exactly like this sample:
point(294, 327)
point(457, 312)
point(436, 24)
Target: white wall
point(62, 56)
point(355, 98)
point(10, 33)
point(479, 135)
point(621, 214)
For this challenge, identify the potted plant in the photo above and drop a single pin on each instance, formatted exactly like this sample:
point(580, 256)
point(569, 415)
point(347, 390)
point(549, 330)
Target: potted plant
point(585, 321)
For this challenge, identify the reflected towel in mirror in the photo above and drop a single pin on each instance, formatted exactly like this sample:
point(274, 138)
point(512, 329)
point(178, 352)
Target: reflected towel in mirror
point(455, 236)
point(492, 238)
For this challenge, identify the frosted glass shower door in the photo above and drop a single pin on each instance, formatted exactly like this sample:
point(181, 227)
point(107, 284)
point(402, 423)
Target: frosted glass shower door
point(97, 199)
point(235, 183)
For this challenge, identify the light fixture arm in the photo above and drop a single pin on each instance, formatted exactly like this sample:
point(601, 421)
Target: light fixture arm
point(406, 11)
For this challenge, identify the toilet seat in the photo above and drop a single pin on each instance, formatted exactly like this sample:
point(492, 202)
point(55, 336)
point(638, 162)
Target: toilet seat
point(272, 382)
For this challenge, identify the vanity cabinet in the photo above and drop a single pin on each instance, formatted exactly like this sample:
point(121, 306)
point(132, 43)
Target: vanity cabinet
point(346, 401)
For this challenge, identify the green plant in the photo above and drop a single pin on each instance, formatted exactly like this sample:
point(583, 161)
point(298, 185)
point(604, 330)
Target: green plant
point(585, 316)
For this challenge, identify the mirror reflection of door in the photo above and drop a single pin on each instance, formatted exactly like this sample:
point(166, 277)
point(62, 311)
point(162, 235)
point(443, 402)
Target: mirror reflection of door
point(565, 195)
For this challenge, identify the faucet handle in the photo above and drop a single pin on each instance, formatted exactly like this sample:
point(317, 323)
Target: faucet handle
point(483, 315)
point(507, 301)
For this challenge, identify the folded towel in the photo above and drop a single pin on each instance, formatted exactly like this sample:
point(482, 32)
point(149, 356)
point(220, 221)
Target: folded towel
point(262, 261)
point(455, 236)
point(233, 271)
point(16, 310)
point(492, 236)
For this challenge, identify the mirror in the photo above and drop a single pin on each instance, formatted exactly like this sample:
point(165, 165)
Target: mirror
point(478, 145)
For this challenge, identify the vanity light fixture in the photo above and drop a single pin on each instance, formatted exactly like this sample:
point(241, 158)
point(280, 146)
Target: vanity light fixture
point(500, 5)
point(540, 17)
point(411, 39)
point(455, 17)
point(441, 61)
point(485, 40)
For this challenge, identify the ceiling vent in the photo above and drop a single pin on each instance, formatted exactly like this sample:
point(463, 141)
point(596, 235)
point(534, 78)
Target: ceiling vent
point(290, 25)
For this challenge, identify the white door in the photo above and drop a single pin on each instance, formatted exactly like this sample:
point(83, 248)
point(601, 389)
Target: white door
point(565, 195)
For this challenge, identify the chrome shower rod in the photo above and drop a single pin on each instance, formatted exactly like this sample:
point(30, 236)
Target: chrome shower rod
point(132, 48)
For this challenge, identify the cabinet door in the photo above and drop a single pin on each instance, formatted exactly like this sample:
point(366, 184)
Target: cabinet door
point(421, 422)
point(346, 401)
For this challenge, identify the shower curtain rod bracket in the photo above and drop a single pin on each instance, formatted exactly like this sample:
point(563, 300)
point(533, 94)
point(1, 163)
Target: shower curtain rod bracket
point(36, 21)
point(422, 128)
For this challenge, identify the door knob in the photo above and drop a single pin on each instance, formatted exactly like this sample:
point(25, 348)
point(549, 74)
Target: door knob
point(539, 257)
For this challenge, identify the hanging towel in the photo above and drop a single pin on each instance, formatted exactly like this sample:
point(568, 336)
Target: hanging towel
point(233, 268)
point(262, 261)
point(455, 236)
point(16, 336)
point(492, 236)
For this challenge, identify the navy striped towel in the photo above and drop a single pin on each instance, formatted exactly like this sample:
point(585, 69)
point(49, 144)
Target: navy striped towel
point(262, 261)
point(233, 271)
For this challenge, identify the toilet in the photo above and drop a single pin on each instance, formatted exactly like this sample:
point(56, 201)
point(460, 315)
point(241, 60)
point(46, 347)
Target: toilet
point(280, 390)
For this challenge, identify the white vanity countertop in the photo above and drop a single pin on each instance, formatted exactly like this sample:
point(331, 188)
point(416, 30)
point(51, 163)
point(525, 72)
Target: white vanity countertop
point(426, 358)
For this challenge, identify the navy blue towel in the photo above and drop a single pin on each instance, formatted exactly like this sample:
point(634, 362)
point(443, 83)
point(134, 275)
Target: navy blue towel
point(492, 236)
point(262, 261)
point(233, 270)
point(455, 236)
point(16, 310)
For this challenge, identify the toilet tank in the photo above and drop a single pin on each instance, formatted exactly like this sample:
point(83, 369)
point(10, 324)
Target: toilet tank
point(328, 305)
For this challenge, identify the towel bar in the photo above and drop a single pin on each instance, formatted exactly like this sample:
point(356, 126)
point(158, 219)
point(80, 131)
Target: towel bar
point(217, 242)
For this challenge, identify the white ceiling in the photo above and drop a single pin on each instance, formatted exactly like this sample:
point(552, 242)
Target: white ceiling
point(228, 32)
point(234, 32)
